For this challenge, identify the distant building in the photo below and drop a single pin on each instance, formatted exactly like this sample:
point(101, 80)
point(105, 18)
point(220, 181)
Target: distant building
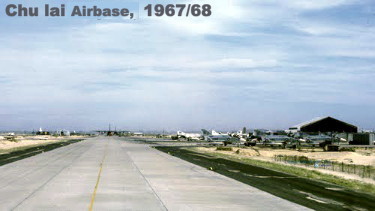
point(41, 132)
point(63, 133)
point(138, 134)
point(324, 124)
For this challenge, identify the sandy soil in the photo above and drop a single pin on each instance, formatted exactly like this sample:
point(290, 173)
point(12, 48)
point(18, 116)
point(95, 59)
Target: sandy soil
point(360, 157)
point(22, 141)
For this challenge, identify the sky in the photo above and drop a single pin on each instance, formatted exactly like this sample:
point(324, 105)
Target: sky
point(254, 63)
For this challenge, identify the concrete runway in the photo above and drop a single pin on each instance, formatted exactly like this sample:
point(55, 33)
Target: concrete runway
point(112, 174)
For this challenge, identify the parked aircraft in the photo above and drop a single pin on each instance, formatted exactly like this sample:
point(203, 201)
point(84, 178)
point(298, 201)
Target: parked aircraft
point(258, 133)
point(241, 134)
point(225, 138)
point(218, 133)
point(314, 140)
point(320, 140)
point(189, 136)
point(276, 140)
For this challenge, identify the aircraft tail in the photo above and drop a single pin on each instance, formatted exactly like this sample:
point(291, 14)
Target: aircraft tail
point(214, 133)
point(180, 133)
point(205, 132)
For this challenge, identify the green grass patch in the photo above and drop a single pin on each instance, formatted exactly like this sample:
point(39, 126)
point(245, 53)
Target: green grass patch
point(221, 148)
point(347, 149)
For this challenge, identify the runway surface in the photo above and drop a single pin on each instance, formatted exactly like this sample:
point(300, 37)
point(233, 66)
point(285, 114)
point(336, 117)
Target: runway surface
point(112, 174)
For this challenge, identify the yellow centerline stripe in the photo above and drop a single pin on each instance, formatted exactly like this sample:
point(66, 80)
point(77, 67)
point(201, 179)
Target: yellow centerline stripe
point(97, 181)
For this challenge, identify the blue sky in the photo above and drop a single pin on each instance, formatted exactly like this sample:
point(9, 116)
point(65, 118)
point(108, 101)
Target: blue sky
point(259, 64)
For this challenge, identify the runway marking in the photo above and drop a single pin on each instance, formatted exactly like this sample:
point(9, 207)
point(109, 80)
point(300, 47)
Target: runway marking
point(321, 200)
point(335, 189)
point(317, 200)
point(268, 177)
point(98, 179)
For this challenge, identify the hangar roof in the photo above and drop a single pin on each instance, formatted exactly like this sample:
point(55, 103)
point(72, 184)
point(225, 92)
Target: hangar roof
point(317, 119)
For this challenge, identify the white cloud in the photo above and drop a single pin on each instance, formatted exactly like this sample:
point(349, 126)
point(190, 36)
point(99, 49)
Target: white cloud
point(318, 4)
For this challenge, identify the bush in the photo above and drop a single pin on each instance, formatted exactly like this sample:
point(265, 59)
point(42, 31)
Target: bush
point(11, 138)
point(347, 149)
point(303, 159)
point(224, 148)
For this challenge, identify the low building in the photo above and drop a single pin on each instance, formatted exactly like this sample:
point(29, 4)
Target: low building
point(138, 134)
point(63, 133)
point(324, 124)
point(363, 139)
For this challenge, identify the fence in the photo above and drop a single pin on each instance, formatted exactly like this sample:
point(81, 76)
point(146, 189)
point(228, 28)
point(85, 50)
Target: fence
point(361, 170)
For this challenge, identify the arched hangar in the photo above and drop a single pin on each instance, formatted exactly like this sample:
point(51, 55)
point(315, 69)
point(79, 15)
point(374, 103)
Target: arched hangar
point(325, 124)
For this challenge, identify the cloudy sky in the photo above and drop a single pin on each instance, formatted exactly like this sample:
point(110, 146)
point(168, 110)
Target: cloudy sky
point(254, 63)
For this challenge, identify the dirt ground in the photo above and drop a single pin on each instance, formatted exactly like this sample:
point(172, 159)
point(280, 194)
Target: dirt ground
point(23, 141)
point(359, 157)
